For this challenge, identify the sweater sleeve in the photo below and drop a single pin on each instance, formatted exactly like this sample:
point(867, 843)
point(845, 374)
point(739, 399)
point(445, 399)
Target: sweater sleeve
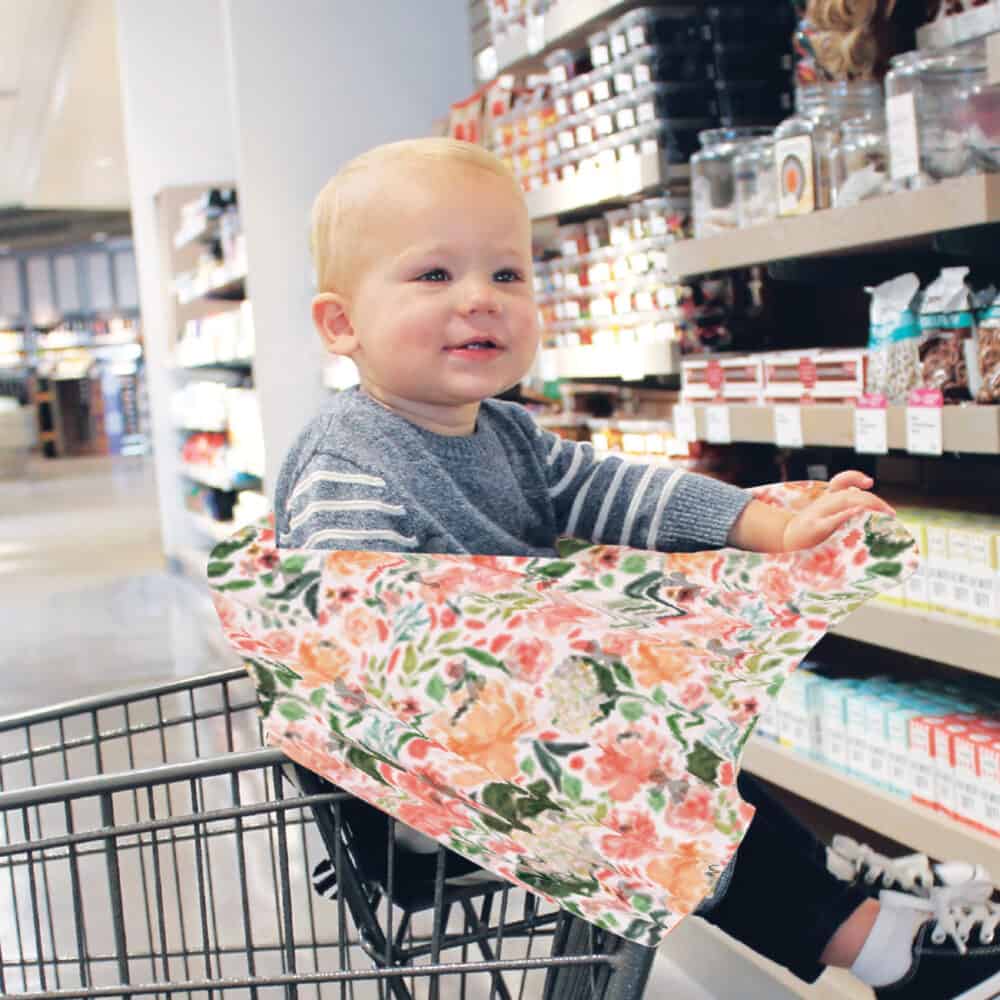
point(333, 504)
point(616, 501)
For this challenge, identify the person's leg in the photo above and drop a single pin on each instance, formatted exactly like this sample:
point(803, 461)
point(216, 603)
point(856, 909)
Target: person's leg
point(781, 899)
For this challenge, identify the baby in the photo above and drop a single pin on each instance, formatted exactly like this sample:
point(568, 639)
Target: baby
point(423, 260)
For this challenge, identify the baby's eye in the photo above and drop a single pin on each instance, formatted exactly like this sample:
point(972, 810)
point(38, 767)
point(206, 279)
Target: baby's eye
point(434, 274)
point(508, 274)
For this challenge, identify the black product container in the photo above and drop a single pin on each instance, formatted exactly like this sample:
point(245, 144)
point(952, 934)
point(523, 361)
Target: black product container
point(748, 62)
point(761, 102)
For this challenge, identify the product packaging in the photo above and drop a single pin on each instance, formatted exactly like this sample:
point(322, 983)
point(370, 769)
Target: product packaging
point(946, 341)
point(893, 355)
point(988, 355)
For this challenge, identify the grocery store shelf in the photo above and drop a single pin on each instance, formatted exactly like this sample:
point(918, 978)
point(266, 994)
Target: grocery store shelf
point(610, 183)
point(971, 429)
point(926, 634)
point(630, 362)
point(232, 289)
point(238, 363)
point(567, 22)
point(894, 219)
point(879, 810)
point(205, 477)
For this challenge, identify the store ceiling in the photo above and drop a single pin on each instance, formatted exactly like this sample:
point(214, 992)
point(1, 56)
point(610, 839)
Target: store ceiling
point(61, 132)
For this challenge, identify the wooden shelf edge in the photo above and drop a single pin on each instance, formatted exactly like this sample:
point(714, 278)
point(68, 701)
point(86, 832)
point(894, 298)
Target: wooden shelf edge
point(887, 814)
point(606, 184)
point(970, 429)
point(907, 215)
point(928, 635)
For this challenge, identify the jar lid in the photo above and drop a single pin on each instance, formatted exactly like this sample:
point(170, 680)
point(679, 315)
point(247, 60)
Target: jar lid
point(727, 136)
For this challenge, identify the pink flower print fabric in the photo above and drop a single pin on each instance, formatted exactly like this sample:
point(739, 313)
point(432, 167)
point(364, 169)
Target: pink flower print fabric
point(572, 724)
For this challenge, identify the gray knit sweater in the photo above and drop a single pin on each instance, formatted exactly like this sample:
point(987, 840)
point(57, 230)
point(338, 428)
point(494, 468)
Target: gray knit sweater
point(361, 477)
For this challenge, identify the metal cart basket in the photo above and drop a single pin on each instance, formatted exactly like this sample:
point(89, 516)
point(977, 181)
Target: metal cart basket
point(149, 847)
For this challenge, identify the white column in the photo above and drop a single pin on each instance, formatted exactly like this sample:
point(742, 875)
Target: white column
point(315, 83)
point(179, 130)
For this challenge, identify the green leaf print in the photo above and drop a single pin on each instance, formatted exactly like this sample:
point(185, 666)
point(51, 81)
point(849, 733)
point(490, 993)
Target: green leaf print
point(318, 698)
point(500, 798)
point(568, 547)
point(556, 569)
point(559, 887)
point(885, 546)
point(657, 800)
point(292, 711)
point(266, 579)
point(235, 585)
point(605, 679)
point(225, 549)
point(311, 600)
point(623, 675)
point(410, 661)
point(219, 569)
point(573, 787)
point(634, 565)
point(481, 656)
point(436, 689)
point(266, 686)
point(365, 762)
point(704, 764)
point(447, 637)
point(788, 638)
point(293, 565)
point(607, 581)
point(287, 676)
point(564, 749)
point(549, 765)
point(631, 710)
point(296, 587)
point(887, 569)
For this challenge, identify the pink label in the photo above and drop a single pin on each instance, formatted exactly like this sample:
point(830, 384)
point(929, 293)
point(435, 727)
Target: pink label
point(807, 373)
point(714, 375)
point(929, 398)
point(872, 401)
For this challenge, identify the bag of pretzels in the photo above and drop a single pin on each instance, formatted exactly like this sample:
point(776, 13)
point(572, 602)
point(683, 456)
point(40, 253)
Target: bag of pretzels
point(987, 387)
point(947, 343)
point(894, 337)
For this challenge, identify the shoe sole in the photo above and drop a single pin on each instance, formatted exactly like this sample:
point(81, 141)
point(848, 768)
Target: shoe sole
point(988, 989)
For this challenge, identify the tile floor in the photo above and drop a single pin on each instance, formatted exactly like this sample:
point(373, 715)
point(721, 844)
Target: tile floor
point(85, 608)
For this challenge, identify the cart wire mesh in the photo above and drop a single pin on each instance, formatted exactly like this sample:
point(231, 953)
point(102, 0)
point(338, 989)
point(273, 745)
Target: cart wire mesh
point(148, 847)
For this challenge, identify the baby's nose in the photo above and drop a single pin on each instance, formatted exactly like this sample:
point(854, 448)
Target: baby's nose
point(479, 296)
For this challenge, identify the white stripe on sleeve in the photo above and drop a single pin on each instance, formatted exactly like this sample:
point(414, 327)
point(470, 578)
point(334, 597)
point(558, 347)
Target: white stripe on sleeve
point(633, 507)
point(574, 468)
point(609, 499)
point(554, 452)
point(356, 535)
point(330, 506)
point(325, 476)
point(654, 524)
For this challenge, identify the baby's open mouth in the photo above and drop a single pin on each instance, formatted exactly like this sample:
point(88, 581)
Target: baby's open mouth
point(476, 345)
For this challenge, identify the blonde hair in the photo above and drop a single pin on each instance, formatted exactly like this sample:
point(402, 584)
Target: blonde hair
point(339, 208)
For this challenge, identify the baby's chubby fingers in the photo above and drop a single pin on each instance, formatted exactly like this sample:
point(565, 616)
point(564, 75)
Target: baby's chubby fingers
point(852, 498)
point(852, 477)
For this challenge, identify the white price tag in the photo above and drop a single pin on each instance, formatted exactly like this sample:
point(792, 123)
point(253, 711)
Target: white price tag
point(536, 34)
point(629, 175)
point(904, 147)
point(924, 435)
point(633, 366)
point(788, 426)
point(685, 426)
point(871, 431)
point(717, 429)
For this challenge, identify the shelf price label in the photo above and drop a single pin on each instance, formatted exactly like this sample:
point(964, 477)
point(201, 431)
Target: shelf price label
point(685, 426)
point(788, 426)
point(924, 433)
point(871, 425)
point(717, 428)
point(536, 34)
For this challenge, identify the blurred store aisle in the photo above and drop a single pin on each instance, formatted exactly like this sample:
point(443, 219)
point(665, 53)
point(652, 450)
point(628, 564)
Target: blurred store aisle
point(85, 603)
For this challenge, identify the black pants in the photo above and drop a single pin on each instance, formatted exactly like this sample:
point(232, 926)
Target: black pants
point(780, 898)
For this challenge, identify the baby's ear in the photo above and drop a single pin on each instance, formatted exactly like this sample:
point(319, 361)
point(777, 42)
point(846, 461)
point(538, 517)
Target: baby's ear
point(333, 323)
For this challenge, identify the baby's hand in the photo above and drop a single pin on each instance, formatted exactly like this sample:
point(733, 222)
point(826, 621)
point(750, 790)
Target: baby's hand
point(846, 495)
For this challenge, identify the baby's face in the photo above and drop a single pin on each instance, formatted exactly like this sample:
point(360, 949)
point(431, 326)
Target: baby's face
point(444, 310)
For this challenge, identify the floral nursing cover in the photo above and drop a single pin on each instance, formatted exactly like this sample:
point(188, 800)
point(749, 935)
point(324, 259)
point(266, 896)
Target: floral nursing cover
point(572, 724)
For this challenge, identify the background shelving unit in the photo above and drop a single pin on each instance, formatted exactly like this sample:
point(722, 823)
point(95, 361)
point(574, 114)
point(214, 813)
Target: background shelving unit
point(216, 293)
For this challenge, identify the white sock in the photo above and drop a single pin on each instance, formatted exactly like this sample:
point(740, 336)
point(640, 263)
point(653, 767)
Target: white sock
point(887, 953)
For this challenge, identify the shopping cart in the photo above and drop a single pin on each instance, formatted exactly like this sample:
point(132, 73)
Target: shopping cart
point(149, 847)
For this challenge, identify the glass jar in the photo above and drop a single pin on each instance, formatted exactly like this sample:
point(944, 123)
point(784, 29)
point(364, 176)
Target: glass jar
point(861, 161)
point(755, 177)
point(979, 119)
point(713, 186)
point(942, 78)
point(806, 143)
